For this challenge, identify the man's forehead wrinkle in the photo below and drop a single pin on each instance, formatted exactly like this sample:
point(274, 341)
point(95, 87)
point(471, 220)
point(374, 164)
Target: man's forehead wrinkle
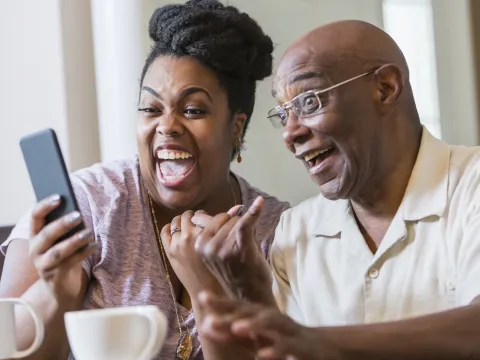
point(299, 67)
point(283, 73)
point(281, 79)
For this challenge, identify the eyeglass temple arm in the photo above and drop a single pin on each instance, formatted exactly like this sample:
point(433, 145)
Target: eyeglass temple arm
point(346, 81)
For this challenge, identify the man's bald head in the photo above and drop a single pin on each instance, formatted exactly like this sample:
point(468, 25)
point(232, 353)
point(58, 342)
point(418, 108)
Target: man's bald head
point(342, 48)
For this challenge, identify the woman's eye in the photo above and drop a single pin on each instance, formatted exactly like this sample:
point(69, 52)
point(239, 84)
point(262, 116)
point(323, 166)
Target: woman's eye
point(195, 112)
point(149, 110)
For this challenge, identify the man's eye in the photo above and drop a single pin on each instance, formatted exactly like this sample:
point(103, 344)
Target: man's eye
point(283, 115)
point(310, 103)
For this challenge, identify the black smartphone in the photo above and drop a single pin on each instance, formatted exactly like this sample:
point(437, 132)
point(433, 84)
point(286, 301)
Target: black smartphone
point(48, 173)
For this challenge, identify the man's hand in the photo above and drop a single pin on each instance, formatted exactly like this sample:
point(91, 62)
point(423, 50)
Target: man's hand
point(231, 251)
point(273, 335)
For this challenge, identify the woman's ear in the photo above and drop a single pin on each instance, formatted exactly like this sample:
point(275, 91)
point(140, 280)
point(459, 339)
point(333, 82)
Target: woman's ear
point(239, 120)
point(238, 129)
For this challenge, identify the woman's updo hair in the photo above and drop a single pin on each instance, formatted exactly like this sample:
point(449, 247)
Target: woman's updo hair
point(220, 37)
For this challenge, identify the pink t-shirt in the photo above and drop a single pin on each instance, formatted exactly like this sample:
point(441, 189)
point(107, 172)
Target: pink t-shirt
point(127, 269)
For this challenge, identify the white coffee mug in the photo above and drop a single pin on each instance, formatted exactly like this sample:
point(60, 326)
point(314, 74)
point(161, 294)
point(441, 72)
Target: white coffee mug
point(125, 333)
point(8, 346)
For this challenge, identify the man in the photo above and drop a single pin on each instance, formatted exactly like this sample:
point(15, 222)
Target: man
point(385, 263)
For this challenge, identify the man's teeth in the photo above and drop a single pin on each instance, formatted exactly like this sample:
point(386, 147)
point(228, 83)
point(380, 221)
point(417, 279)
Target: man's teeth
point(173, 154)
point(315, 153)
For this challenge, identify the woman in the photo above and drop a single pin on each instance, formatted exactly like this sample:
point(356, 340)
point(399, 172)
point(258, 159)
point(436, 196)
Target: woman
point(197, 95)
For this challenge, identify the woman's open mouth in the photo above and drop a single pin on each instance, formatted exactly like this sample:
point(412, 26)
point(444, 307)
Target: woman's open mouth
point(174, 166)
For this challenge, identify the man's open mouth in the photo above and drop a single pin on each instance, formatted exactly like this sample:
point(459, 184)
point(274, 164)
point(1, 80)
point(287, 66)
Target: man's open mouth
point(315, 157)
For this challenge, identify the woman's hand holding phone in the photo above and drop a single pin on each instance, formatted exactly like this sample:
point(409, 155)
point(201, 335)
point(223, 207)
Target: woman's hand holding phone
point(59, 263)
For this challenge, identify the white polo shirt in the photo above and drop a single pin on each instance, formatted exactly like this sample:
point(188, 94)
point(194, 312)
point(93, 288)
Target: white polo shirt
point(428, 261)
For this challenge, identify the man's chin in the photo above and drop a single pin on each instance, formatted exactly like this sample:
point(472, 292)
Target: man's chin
point(334, 190)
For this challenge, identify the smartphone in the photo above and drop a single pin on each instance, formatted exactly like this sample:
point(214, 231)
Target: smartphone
point(48, 174)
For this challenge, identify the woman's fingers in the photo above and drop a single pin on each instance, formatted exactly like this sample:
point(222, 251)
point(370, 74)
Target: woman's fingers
point(249, 219)
point(221, 239)
point(40, 211)
point(175, 224)
point(236, 210)
point(81, 255)
point(50, 234)
point(201, 219)
point(69, 263)
point(186, 225)
point(64, 250)
point(166, 237)
point(210, 230)
point(229, 232)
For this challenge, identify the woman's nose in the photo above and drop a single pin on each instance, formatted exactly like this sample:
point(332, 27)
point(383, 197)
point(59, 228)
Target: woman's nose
point(169, 125)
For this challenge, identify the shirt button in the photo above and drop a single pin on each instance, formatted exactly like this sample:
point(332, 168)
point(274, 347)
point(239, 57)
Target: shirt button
point(373, 273)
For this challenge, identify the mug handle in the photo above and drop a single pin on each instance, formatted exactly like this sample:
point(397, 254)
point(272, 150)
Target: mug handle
point(39, 329)
point(155, 319)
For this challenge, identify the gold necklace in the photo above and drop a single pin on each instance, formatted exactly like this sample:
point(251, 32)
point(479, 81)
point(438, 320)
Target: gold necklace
point(185, 343)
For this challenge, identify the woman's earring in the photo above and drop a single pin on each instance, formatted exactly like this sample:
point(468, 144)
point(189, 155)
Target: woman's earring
point(239, 151)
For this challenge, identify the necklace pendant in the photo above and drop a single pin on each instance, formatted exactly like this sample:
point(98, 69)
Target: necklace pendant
point(185, 347)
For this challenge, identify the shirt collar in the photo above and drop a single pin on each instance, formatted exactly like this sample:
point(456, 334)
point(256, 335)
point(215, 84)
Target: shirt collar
point(427, 189)
point(331, 224)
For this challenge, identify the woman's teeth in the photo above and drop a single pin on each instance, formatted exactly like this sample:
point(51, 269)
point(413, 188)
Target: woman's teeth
point(315, 153)
point(165, 154)
point(173, 178)
point(174, 165)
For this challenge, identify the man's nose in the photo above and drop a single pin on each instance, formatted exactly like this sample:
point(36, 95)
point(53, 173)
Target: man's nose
point(294, 131)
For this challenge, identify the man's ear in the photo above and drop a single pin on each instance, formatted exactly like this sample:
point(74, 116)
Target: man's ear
point(389, 84)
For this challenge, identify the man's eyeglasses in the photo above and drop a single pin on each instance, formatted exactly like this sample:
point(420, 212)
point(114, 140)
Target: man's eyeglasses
point(304, 105)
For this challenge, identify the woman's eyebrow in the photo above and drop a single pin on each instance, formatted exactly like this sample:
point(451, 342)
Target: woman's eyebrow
point(193, 90)
point(184, 93)
point(151, 91)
